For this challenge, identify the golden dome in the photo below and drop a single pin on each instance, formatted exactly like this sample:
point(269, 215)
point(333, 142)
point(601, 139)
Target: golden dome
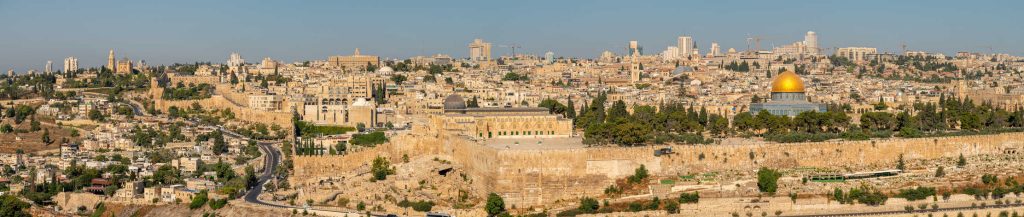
point(788, 82)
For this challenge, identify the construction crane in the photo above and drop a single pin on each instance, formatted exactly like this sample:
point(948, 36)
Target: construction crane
point(757, 42)
point(513, 47)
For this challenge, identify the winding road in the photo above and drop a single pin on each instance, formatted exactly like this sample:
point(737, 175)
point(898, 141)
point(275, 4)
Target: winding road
point(948, 209)
point(271, 160)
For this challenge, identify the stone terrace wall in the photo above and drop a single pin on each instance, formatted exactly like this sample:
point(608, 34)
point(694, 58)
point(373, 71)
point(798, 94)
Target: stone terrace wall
point(527, 178)
point(283, 119)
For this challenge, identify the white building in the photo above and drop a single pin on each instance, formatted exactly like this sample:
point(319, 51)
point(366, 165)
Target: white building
point(235, 60)
point(685, 45)
point(715, 50)
point(811, 43)
point(856, 53)
point(670, 53)
point(70, 64)
point(480, 50)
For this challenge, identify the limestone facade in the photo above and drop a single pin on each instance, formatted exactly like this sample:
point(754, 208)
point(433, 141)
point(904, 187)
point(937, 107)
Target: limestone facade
point(531, 178)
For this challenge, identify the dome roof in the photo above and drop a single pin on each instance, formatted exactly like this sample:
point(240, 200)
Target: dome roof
point(454, 102)
point(385, 69)
point(788, 82)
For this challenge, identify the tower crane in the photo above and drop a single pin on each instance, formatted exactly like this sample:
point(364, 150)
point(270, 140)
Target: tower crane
point(513, 47)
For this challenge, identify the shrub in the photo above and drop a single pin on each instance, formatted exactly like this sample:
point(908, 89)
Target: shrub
point(918, 193)
point(588, 205)
point(199, 200)
point(638, 175)
point(689, 197)
point(767, 180)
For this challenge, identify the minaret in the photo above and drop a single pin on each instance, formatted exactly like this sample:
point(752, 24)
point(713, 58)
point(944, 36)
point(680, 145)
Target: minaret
point(110, 61)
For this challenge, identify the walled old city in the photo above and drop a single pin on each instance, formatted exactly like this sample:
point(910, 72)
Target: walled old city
point(778, 123)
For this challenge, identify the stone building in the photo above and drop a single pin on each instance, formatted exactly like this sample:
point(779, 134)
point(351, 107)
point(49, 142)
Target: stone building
point(124, 66)
point(355, 61)
point(788, 97)
point(343, 101)
point(265, 102)
point(502, 122)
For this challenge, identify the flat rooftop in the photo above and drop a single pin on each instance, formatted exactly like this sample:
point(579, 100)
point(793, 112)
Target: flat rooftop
point(534, 143)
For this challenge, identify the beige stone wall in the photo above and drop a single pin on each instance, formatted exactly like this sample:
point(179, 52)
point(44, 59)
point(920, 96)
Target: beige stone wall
point(194, 80)
point(241, 112)
point(528, 178)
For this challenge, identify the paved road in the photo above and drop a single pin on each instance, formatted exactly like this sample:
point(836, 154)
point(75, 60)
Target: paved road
point(948, 209)
point(272, 157)
point(270, 162)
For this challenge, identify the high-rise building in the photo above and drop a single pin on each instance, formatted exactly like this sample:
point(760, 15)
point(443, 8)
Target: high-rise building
point(811, 42)
point(670, 53)
point(549, 57)
point(715, 50)
point(634, 47)
point(111, 65)
point(479, 50)
point(685, 45)
point(70, 64)
point(49, 67)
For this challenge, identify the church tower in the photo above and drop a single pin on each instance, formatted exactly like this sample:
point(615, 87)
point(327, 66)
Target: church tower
point(634, 69)
point(110, 61)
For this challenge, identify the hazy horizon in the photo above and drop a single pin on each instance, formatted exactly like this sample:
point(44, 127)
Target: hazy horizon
point(188, 31)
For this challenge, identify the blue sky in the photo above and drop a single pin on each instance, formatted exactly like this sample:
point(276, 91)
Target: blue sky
point(164, 32)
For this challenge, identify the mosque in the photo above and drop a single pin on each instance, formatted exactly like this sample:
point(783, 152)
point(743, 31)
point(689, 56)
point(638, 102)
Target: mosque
point(502, 122)
point(788, 97)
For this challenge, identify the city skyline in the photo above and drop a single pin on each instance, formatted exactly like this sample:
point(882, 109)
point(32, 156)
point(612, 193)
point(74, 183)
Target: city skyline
point(165, 33)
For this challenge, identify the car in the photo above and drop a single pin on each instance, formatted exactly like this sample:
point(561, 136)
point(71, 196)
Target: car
point(662, 151)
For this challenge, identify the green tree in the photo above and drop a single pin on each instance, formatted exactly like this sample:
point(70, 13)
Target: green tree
point(495, 205)
point(250, 177)
point(35, 125)
point(95, 115)
point(588, 205)
point(639, 174)
point(671, 207)
point(571, 109)
point(6, 128)
point(961, 162)
point(900, 165)
point(199, 200)
point(398, 79)
point(767, 180)
point(46, 136)
point(381, 168)
point(13, 207)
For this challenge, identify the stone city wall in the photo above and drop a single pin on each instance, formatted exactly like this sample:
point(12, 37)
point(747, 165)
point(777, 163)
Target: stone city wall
point(243, 113)
point(190, 79)
point(527, 178)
